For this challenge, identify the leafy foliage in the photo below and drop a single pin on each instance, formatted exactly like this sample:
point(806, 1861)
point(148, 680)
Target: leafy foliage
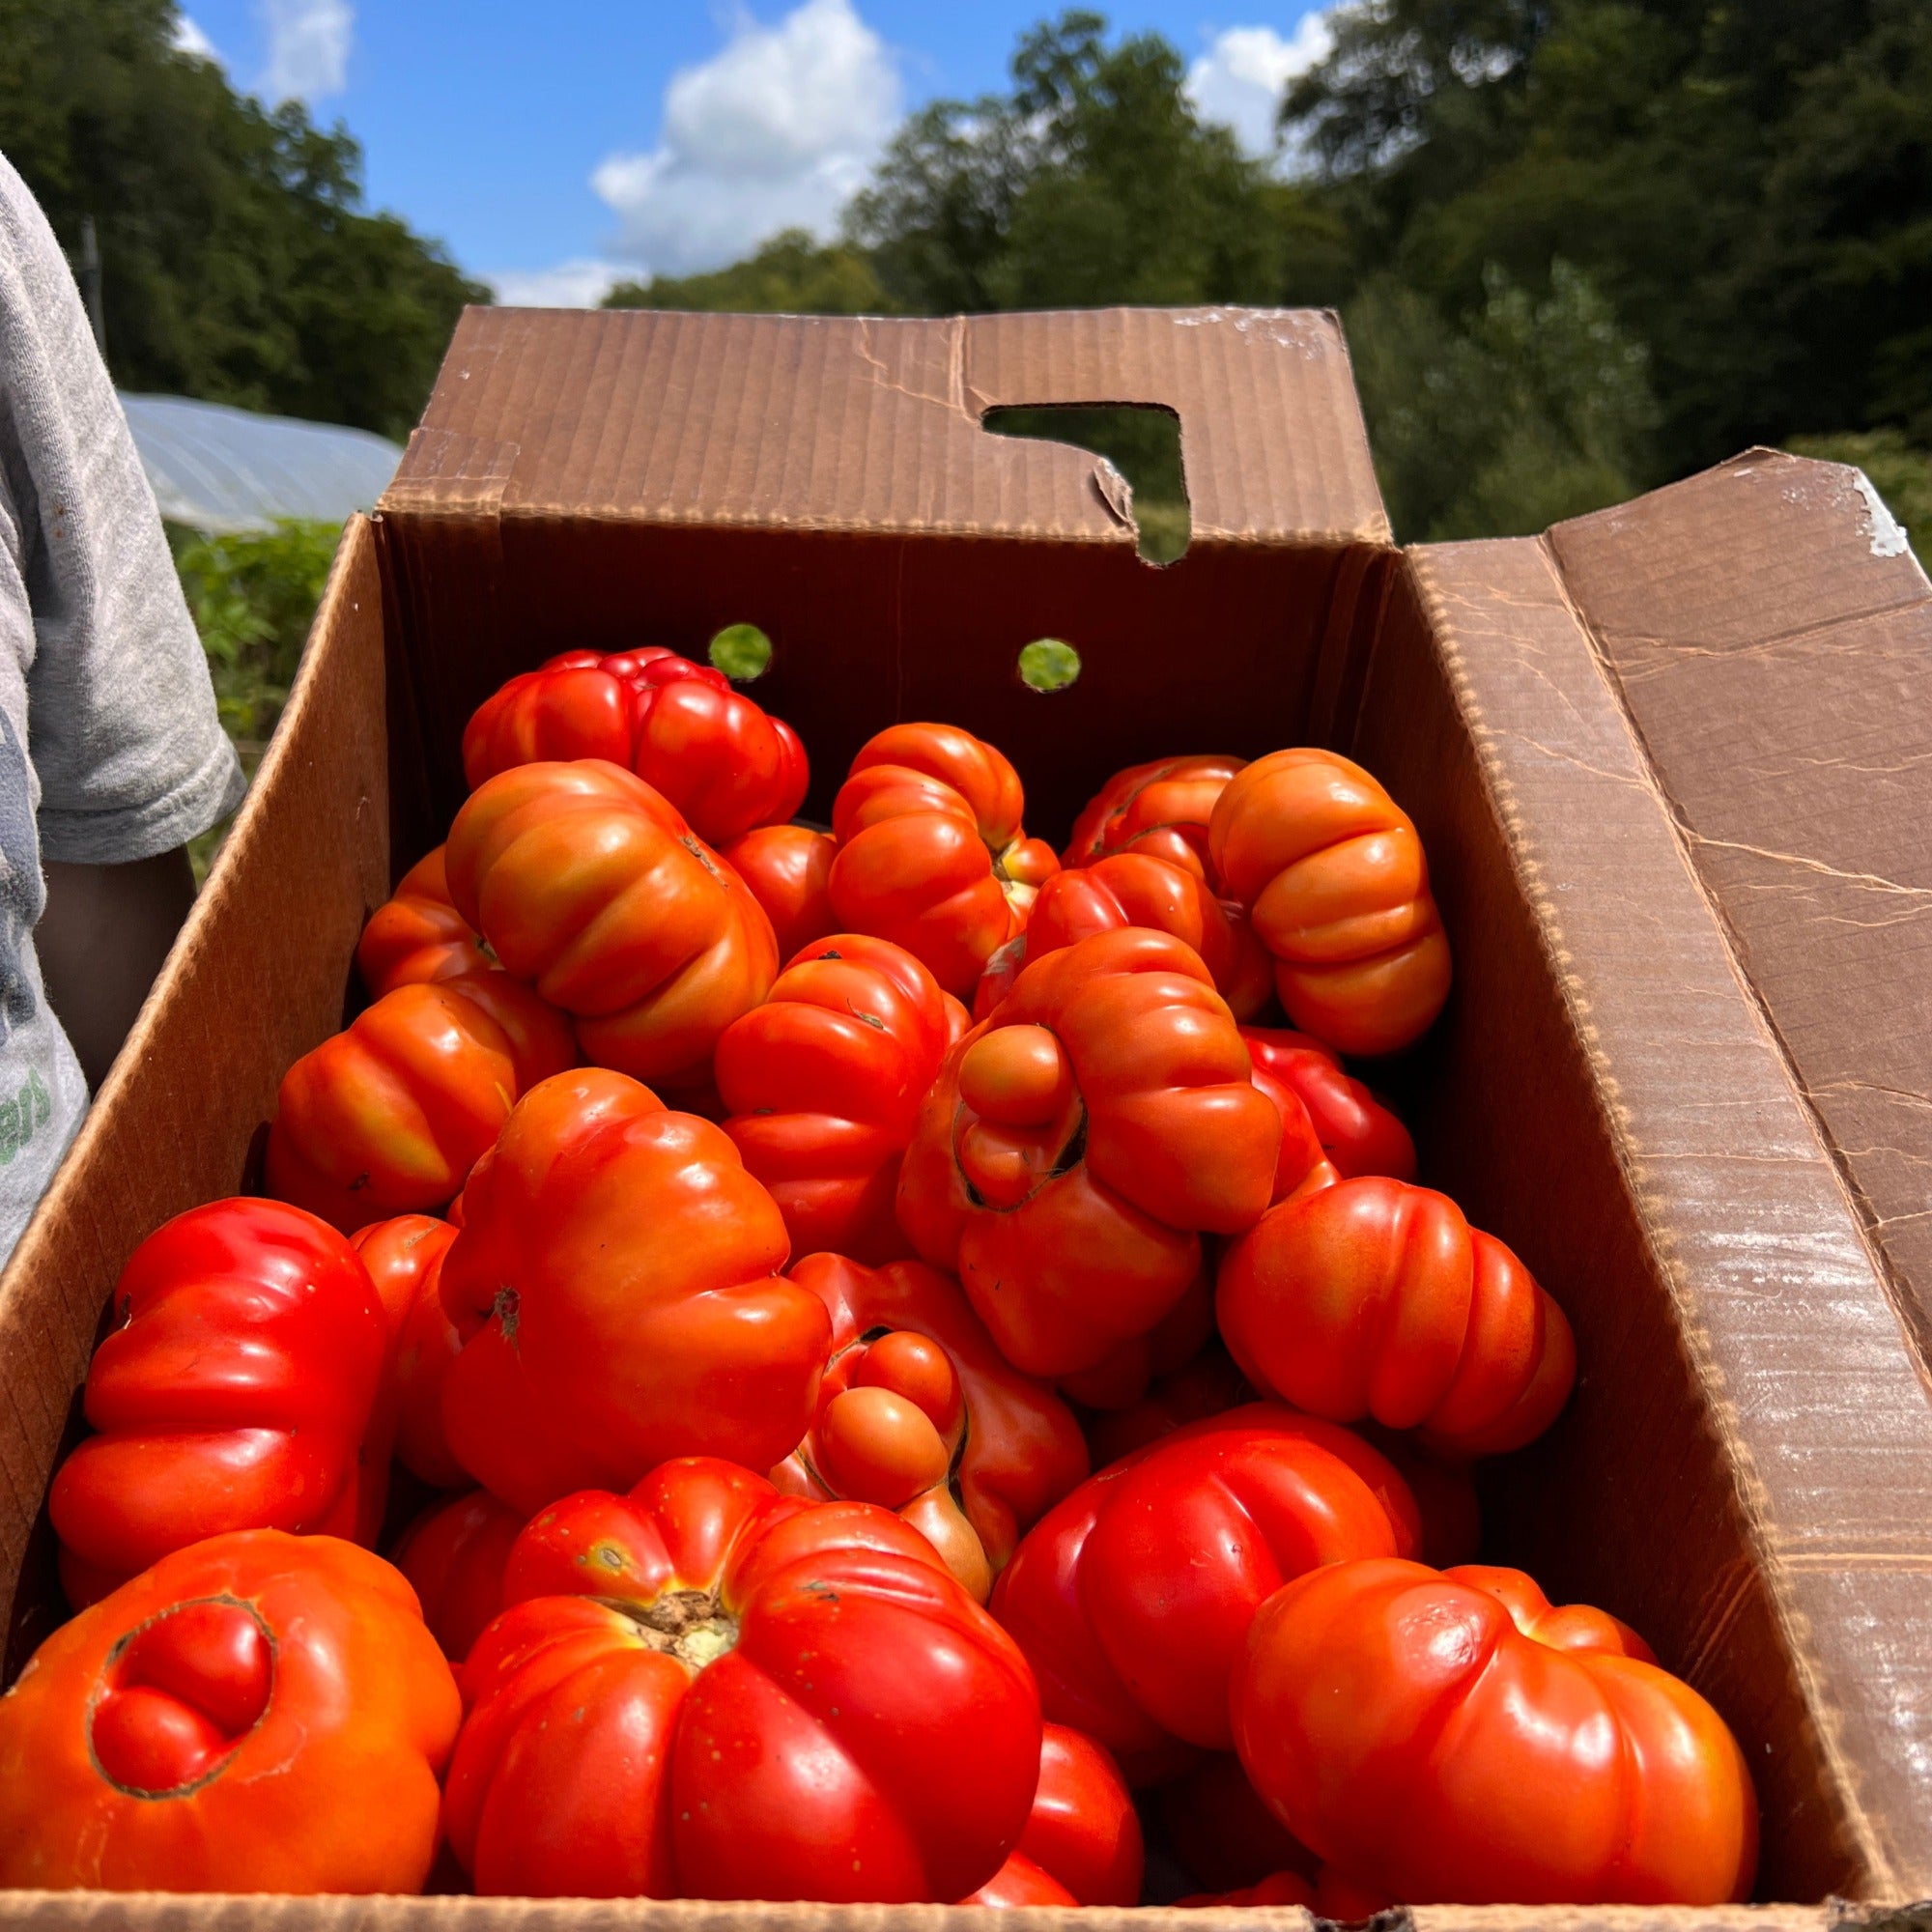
point(790, 274)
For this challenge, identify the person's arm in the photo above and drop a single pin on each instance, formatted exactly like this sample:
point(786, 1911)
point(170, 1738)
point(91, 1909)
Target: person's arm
point(102, 941)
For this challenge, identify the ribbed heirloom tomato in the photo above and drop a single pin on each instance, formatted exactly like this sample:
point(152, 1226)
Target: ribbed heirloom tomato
point(931, 851)
point(416, 934)
point(1376, 1298)
point(259, 1713)
point(1079, 1141)
point(1358, 1132)
point(1132, 1598)
point(1448, 1736)
point(591, 886)
point(237, 1390)
point(1334, 879)
point(404, 1257)
point(920, 1412)
point(824, 1081)
point(616, 1287)
point(787, 868)
point(708, 1690)
point(1134, 889)
point(721, 761)
point(1159, 809)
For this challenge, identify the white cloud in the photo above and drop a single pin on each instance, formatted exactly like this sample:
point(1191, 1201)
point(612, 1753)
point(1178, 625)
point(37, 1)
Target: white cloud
point(189, 39)
point(309, 47)
point(777, 130)
point(579, 284)
point(1240, 80)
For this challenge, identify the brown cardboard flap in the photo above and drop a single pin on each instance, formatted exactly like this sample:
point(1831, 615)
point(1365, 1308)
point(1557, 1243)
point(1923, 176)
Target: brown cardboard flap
point(834, 423)
point(1771, 636)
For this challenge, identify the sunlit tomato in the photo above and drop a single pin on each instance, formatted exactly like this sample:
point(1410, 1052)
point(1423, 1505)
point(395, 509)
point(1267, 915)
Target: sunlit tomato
point(823, 1083)
point(1357, 1133)
point(789, 871)
point(1132, 1598)
point(931, 851)
point(1079, 1141)
point(1020, 1882)
point(1161, 809)
point(259, 1713)
point(417, 935)
point(1447, 1736)
point(454, 1555)
point(237, 1390)
point(1376, 1298)
point(1083, 1829)
point(720, 759)
point(708, 1690)
point(388, 1116)
point(589, 886)
point(1208, 1384)
point(920, 1412)
point(1222, 1831)
point(1133, 889)
point(620, 1270)
point(404, 1257)
point(1333, 875)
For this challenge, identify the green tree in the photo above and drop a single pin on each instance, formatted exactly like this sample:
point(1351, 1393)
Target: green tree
point(790, 274)
point(238, 264)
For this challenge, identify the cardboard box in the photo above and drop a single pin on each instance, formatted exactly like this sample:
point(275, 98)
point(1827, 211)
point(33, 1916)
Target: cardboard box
point(1672, 802)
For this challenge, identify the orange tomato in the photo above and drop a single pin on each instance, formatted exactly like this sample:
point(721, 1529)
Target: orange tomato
point(258, 1713)
point(1446, 1736)
point(1080, 1140)
point(1376, 1298)
point(787, 868)
point(1334, 879)
point(931, 851)
point(587, 885)
point(417, 934)
point(1159, 809)
point(404, 1257)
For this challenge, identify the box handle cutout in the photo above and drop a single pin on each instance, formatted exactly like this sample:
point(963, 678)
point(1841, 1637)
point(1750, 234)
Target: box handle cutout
point(1048, 664)
point(1141, 474)
point(741, 651)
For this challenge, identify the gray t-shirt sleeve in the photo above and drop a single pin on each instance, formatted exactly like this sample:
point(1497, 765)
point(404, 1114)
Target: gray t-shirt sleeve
point(123, 733)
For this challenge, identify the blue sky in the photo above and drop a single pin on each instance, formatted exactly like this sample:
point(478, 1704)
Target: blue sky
point(554, 151)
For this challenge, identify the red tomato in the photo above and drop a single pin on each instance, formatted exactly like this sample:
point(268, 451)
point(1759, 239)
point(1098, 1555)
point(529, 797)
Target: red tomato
point(1132, 1598)
point(1209, 1384)
point(1374, 1298)
point(1334, 879)
point(404, 1257)
point(1356, 1132)
point(454, 1555)
point(1445, 1736)
point(823, 1084)
point(237, 1390)
point(1126, 1374)
point(1079, 1141)
point(920, 1412)
point(1020, 1882)
point(1133, 889)
point(388, 1116)
point(259, 1713)
point(417, 935)
point(1161, 809)
point(708, 1690)
point(620, 1270)
point(1083, 1829)
point(1223, 1833)
point(589, 886)
point(787, 869)
point(713, 753)
point(931, 852)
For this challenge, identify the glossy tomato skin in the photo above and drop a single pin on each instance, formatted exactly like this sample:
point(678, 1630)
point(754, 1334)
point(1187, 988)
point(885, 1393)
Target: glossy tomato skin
point(404, 1257)
point(1334, 879)
point(417, 935)
point(1083, 1829)
point(1011, 1447)
point(787, 868)
point(591, 886)
point(616, 1277)
point(931, 851)
point(1133, 1597)
point(1161, 809)
point(1358, 1133)
point(1136, 889)
point(1373, 1299)
point(259, 1713)
point(454, 1555)
point(823, 1083)
point(707, 1689)
point(1020, 1882)
point(1079, 1141)
point(1410, 1727)
point(712, 751)
point(237, 1390)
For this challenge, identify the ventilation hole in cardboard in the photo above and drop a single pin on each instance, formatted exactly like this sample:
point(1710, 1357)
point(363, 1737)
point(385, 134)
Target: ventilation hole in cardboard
point(1048, 664)
point(1143, 444)
point(741, 651)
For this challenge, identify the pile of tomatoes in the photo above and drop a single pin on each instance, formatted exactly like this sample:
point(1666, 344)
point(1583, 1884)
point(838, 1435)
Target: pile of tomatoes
point(897, 1371)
